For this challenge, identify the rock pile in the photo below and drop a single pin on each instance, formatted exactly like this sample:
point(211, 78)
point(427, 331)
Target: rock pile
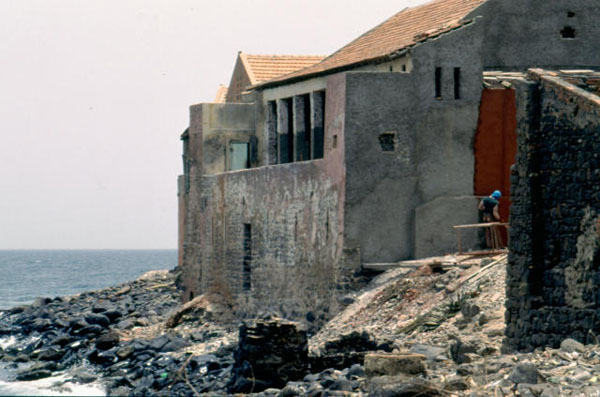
point(270, 353)
point(115, 336)
point(423, 333)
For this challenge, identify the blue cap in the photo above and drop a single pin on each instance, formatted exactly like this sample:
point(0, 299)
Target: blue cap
point(496, 194)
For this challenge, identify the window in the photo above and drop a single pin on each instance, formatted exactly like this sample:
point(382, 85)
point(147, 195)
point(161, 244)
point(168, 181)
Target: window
point(438, 83)
point(386, 140)
point(318, 116)
point(568, 32)
point(238, 156)
point(247, 258)
point(456, 83)
point(303, 128)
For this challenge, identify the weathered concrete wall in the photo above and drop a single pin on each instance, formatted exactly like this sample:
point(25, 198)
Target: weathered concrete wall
point(217, 125)
point(295, 217)
point(553, 274)
point(432, 156)
point(527, 33)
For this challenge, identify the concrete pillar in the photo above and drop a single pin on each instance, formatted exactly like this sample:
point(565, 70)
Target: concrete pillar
point(301, 132)
point(271, 133)
point(284, 127)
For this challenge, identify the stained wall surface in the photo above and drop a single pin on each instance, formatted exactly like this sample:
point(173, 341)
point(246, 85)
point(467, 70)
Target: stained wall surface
point(270, 238)
point(553, 275)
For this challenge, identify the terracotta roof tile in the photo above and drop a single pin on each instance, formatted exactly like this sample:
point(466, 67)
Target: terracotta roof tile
point(221, 94)
point(406, 28)
point(266, 67)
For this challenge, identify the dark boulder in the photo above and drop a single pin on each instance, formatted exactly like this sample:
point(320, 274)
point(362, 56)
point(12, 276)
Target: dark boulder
point(33, 375)
point(107, 341)
point(51, 354)
point(98, 319)
point(174, 344)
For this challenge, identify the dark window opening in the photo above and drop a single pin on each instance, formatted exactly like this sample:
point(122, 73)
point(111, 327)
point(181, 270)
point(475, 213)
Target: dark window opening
point(334, 141)
point(404, 68)
point(568, 32)
point(188, 166)
point(191, 295)
point(456, 83)
point(304, 131)
point(247, 260)
point(318, 133)
point(570, 14)
point(386, 141)
point(391, 68)
point(438, 83)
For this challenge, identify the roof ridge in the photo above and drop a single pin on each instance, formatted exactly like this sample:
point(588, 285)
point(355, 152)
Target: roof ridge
point(406, 28)
point(247, 68)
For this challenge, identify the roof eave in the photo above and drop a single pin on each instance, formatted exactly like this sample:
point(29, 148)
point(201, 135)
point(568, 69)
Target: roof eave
point(393, 55)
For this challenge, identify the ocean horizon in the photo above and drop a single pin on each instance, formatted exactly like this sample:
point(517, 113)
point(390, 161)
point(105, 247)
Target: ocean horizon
point(31, 273)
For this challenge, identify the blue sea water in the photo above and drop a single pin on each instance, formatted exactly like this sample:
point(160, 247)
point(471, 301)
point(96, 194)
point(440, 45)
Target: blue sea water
point(27, 274)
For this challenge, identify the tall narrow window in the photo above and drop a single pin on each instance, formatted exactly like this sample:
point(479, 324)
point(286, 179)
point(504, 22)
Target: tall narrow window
point(318, 124)
point(304, 138)
point(247, 260)
point(456, 83)
point(438, 83)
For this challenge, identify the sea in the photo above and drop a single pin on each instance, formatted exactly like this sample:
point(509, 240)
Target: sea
point(28, 274)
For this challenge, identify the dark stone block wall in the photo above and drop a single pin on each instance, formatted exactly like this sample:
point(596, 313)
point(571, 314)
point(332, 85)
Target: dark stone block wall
point(553, 275)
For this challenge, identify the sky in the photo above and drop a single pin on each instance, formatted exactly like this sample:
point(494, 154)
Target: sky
point(94, 95)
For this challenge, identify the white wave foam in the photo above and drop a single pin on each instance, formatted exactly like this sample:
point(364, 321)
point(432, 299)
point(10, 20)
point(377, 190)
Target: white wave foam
point(7, 341)
point(53, 386)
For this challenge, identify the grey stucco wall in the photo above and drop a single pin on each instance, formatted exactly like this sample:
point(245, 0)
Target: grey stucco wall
point(433, 156)
point(520, 34)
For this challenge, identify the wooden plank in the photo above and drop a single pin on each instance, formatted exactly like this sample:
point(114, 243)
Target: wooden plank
point(489, 224)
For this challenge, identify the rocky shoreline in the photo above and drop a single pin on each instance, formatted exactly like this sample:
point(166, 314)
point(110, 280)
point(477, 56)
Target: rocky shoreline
point(424, 332)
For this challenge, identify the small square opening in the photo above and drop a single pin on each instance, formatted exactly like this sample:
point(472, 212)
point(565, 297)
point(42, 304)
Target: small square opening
point(568, 32)
point(386, 140)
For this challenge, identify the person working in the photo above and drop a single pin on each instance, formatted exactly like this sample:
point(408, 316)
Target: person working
point(489, 207)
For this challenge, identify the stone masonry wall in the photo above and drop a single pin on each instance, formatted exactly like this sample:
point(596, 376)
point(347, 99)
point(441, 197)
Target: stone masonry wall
point(553, 275)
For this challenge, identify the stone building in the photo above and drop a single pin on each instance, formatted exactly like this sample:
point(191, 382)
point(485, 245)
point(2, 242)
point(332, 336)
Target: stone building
point(370, 155)
point(553, 278)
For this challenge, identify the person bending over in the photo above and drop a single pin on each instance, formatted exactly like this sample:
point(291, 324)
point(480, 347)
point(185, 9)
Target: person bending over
point(489, 207)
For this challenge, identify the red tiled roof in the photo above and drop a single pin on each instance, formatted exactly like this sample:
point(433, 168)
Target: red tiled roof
point(408, 27)
point(266, 67)
point(221, 94)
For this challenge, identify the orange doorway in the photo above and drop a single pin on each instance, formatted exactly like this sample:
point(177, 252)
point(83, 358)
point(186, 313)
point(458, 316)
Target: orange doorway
point(496, 146)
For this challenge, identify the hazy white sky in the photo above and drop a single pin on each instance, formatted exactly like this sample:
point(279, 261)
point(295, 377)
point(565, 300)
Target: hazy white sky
point(94, 95)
